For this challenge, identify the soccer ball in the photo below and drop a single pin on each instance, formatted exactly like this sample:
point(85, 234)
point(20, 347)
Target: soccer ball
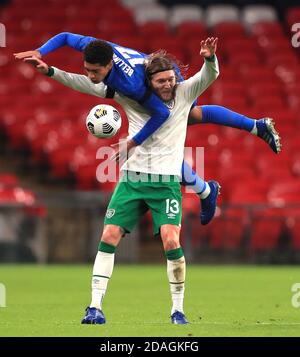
point(103, 121)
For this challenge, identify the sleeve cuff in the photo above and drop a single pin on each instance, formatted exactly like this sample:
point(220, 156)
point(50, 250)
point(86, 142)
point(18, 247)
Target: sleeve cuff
point(50, 72)
point(137, 139)
point(211, 58)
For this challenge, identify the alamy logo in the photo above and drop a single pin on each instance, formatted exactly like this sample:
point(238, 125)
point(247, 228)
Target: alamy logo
point(2, 295)
point(296, 296)
point(2, 35)
point(296, 36)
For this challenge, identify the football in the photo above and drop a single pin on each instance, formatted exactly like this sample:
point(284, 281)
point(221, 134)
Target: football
point(103, 121)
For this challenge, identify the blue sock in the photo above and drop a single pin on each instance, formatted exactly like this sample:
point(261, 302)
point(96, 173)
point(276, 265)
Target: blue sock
point(220, 115)
point(191, 179)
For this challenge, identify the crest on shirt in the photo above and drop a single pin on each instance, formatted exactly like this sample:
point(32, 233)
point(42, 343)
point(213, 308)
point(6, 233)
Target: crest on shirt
point(170, 104)
point(110, 212)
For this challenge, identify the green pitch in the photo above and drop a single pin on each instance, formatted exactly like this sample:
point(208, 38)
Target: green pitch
point(220, 301)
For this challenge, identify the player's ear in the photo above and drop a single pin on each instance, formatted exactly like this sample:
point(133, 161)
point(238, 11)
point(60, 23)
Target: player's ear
point(109, 66)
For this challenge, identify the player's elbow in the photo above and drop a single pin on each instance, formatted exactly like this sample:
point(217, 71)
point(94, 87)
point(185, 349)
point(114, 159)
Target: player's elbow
point(63, 34)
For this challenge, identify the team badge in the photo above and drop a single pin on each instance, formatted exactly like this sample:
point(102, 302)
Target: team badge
point(110, 212)
point(170, 105)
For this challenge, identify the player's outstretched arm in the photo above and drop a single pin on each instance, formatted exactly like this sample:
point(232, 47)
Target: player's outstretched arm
point(209, 72)
point(74, 81)
point(78, 42)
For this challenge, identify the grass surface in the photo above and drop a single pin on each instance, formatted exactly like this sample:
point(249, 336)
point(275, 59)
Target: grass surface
point(220, 301)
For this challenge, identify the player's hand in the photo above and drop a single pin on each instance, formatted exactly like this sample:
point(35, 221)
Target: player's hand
point(41, 66)
point(121, 149)
point(208, 47)
point(22, 55)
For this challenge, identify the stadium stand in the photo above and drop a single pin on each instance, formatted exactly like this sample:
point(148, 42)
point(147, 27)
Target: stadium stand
point(259, 76)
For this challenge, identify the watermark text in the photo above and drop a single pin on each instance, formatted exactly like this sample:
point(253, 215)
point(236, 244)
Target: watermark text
point(2, 35)
point(296, 296)
point(2, 295)
point(149, 164)
point(296, 37)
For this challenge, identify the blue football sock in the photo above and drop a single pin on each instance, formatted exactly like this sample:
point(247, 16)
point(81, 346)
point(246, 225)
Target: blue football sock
point(191, 179)
point(220, 115)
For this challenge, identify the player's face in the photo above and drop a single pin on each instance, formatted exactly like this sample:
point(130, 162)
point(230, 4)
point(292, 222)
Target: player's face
point(163, 84)
point(96, 72)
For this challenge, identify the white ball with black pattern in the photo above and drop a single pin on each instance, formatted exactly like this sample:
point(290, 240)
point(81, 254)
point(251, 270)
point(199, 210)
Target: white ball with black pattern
point(103, 121)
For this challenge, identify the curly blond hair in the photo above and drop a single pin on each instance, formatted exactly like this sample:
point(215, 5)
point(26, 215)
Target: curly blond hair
point(161, 61)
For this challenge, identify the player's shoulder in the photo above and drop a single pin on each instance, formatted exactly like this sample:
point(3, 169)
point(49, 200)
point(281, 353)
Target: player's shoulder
point(182, 85)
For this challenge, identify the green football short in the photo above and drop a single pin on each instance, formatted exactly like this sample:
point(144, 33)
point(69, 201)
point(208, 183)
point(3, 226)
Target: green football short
point(138, 192)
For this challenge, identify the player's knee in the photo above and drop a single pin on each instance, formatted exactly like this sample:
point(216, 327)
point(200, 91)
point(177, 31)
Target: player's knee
point(171, 244)
point(170, 236)
point(112, 234)
point(195, 116)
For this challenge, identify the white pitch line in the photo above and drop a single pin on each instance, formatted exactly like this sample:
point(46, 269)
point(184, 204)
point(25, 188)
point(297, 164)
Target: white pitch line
point(240, 324)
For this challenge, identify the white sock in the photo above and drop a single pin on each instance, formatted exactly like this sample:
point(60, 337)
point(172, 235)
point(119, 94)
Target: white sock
point(206, 191)
point(176, 276)
point(103, 267)
point(254, 129)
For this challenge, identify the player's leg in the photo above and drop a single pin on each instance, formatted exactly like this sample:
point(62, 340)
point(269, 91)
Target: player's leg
point(215, 114)
point(166, 208)
point(207, 192)
point(124, 210)
point(176, 270)
point(102, 271)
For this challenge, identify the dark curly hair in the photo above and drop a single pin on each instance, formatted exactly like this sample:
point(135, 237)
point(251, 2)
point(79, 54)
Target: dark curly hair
point(161, 61)
point(98, 51)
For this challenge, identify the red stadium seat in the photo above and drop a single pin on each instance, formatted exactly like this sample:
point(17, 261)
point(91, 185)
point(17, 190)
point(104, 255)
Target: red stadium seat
point(271, 44)
point(292, 215)
point(229, 30)
point(250, 192)
point(266, 227)
point(107, 186)
point(153, 29)
point(241, 44)
point(238, 103)
point(293, 15)
point(267, 28)
point(227, 231)
point(259, 89)
point(188, 30)
point(228, 73)
point(260, 74)
point(131, 41)
point(244, 60)
point(169, 43)
point(16, 195)
point(282, 58)
point(86, 177)
point(269, 101)
point(283, 193)
point(8, 180)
